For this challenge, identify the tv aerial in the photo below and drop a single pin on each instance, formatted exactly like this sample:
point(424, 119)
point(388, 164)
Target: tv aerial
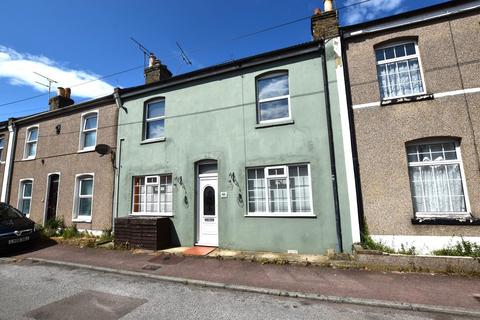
point(49, 85)
point(146, 53)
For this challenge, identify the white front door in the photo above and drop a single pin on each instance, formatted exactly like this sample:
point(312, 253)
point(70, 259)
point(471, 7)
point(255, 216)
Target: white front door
point(207, 215)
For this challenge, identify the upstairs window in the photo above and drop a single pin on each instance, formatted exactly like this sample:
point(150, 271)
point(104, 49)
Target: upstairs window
point(154, 123)
point(279, 190)
point(83, 198)
point(31, 143)
point(25, 196)
point(88, 136)
point(273, 98)
point(2, 145)
point(399, 71)
point(152, 195)
point(436, 179)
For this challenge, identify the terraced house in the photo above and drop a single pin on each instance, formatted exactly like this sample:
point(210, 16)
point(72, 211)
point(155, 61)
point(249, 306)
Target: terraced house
point(55, 171)
point(253, 154)
point(415, 94)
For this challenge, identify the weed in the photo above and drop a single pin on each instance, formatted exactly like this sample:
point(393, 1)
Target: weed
point(462, 248)
point(70, 232)
point(407, 250)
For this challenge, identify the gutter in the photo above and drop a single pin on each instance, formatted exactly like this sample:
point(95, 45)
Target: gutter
point(116, 168)
point(331, 144)
point(7, 176)
point(353, 141)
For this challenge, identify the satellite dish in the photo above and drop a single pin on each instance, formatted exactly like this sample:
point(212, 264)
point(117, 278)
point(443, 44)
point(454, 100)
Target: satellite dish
point(103, 149)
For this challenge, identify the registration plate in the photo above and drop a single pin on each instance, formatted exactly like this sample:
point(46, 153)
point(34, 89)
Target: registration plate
point(17, 240)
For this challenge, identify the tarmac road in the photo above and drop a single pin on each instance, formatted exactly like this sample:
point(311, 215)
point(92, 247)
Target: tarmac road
point(33, 290)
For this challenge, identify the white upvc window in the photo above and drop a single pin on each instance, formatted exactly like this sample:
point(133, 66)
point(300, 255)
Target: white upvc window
point(2, 146)
point(152, 195)
point(25, 196)
point(437, 180)
point(154, 120)
point(280, 190)
point(31, 140)
point(399, 71)
point(88, 131)
point(83, 201)
point(273, 98)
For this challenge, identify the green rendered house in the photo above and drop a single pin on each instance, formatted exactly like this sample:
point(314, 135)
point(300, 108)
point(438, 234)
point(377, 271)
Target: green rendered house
point(252, 154)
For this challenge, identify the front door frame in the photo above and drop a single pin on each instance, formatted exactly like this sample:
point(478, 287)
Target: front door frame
point(47, 195)
point(198, 200)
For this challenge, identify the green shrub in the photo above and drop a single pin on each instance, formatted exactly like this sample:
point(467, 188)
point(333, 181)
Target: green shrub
point(70, 232)
point(53, 227)
point(370, 244)
point(407, 250)
point(463, 248)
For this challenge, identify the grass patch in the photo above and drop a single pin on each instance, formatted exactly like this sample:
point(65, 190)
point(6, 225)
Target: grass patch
point(463, 248)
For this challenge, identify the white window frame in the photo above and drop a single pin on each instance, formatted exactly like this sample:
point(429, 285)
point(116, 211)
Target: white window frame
point(159, 213)
point(146, 120)
point(267, 196)
point(21, 191)
point(259, 101)
point(440, 215)
point(83, 131)
point(2, 147)
point(387, 61)
point(76, 197)
point(27, 132)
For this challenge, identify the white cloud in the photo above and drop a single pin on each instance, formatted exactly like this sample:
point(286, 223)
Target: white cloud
point(19, 69)
point(370, 10)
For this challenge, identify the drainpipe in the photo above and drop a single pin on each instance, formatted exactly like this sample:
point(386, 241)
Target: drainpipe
point(7, 176)
point(331, 144)
point(353, 141)
point(118, 102)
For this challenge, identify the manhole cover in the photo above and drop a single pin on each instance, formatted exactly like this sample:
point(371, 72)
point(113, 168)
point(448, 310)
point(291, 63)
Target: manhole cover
point(87, 305)
point(151, 267)
point(167, 259)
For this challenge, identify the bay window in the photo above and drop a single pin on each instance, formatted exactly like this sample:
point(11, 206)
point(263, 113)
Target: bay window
point(436, 179)
point(279, 190)
point(152, 195)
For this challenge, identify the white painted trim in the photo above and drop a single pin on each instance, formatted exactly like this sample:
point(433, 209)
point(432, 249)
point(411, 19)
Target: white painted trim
point(96, 233)
point(422, 244)
point(8, 163)
point(82, 125)
point(435, 95)
point(47, 190)
point(456, 92)
point(394, 23)
point(347, 144)
point(76, 202)
point(20, 194)
point(36, 142)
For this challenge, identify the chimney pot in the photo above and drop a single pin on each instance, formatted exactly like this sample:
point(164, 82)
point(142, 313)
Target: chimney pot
point(324, 25)
point(327, 5)
point(62, 99)
point(60, 91)
point(317, 11)
point(68, 92)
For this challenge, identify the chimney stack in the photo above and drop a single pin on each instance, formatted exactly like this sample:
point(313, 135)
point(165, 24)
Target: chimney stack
point(62, 99)
point(325, 25)
point(156, 71)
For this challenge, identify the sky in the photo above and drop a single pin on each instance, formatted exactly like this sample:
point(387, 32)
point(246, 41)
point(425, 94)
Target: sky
point(76, 42)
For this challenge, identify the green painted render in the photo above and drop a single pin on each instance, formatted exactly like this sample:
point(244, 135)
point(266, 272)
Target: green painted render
point(216, 119)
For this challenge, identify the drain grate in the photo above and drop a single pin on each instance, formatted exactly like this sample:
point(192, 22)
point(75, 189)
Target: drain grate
point(151, 267)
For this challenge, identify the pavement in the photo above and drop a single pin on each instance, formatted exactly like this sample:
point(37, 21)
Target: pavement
point(448, 294)
point(45, 291)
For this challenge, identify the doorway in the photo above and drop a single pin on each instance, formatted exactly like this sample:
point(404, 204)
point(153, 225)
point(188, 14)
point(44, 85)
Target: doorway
point(207, 204)
point(53, 182)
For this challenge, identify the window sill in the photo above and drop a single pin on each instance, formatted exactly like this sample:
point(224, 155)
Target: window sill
point(419, 97)
point(277, 215)
point(273, 124)
point(153, 140)
point(447, 221)
point(86, 150)
point(28, 159)
point(152, 215)
point(82, 220)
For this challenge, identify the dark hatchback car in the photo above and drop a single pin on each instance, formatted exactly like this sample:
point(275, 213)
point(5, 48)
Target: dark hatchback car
point(15, 228)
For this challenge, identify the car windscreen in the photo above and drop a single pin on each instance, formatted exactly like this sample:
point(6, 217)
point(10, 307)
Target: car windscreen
point(7, 212)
